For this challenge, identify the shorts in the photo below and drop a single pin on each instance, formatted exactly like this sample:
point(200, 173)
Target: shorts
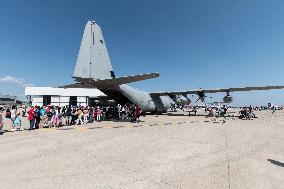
point(68, 118)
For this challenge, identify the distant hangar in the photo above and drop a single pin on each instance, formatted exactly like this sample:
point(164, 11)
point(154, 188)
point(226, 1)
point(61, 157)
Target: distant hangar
point(7, 100)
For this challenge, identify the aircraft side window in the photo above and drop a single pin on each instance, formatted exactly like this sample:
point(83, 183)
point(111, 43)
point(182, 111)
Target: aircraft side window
point(102, 42)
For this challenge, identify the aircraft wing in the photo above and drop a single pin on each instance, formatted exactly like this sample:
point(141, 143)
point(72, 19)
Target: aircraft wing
point(225, 90)
point(106, 83)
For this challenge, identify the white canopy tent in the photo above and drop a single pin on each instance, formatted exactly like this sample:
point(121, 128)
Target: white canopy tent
point(61, 96)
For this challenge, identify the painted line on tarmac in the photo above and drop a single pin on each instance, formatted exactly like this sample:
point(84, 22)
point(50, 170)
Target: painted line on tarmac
point(90, 128)
point(153, 125)
point(110, 127)
point(146, 125)
point(168, 123)
point(64, 129)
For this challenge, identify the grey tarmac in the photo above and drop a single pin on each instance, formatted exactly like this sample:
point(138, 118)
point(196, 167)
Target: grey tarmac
point(160, 152)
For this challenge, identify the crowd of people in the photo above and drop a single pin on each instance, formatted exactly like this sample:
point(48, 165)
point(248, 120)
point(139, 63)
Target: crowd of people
point(56, 116)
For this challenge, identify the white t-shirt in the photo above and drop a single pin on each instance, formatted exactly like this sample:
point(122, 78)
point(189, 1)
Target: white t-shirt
point(13, 113)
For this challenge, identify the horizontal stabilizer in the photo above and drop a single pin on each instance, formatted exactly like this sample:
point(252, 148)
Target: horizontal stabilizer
point(76, 85)
point(106, 83)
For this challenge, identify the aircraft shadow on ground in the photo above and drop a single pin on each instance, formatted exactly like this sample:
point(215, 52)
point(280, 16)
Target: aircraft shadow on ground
point(274, 162)
point(122, 121)
point(191, 115)
point(197, 115)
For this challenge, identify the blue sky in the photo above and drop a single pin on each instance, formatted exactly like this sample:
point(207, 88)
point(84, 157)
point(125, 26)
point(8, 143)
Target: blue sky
point(192, 44)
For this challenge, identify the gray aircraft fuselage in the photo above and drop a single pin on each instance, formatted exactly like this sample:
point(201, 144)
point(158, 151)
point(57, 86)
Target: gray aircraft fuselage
point(125, 94)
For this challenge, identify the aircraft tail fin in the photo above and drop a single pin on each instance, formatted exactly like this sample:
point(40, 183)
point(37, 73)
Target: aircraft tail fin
point(93, 59)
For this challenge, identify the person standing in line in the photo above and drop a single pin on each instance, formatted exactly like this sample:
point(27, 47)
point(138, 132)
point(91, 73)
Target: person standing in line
point(123, 112)
point(79, 113)
point(273, 110)
point(13, 113)
point(17, 123)
point(63, 111)
point(85, 115)
point(24, 111)
point(137, 113)
point(37, 117)
point(103, 110)
point(8, 113)
point(43, 117)
point(1, 120)
point(31, 118)
point(95, 114)
point(55, 118)
point(99, 113)
point(74, 116)
point(68, 116)
point(13, 116)
point(91, 115)
point(49, 113)
point(119, 111)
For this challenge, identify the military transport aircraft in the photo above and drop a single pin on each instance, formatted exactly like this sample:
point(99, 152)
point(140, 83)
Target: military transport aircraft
point(94, 70)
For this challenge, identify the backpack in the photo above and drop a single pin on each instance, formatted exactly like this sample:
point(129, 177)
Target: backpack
point(8, 114)
point(49, 114)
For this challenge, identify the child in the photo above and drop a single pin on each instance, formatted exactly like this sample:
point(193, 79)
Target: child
point(99, 113)
point(17, 123)
point(137, 113)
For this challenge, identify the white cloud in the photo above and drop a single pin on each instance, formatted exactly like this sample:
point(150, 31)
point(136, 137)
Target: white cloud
point(10, 79)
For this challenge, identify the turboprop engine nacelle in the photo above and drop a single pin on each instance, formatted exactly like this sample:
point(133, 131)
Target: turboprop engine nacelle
point(182, 99)
point(228, 99)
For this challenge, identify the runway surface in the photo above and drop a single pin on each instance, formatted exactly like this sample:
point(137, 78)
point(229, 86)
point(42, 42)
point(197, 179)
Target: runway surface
point(160, 152)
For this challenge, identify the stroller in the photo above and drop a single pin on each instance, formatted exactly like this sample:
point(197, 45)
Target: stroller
point(44, 121)
point(244, 114)
point(48, 123)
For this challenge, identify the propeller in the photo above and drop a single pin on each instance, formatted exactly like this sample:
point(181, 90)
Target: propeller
point(202, 96)
point(197, 100)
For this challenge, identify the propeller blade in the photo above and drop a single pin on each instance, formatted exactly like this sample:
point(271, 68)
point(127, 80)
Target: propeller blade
point(197, 100)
